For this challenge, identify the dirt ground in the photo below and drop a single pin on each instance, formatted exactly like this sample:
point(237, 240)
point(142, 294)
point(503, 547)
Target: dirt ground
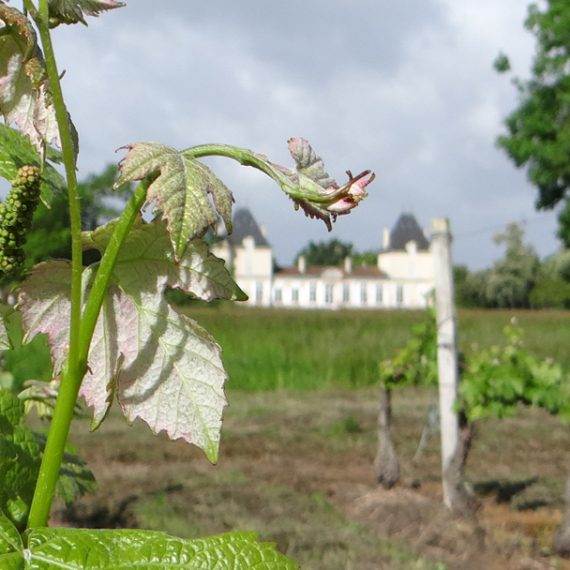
point(297, 468)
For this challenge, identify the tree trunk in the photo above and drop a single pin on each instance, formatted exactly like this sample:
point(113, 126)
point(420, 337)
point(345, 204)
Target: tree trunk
point(386, 464)
point(561, 542)
point(461, 499)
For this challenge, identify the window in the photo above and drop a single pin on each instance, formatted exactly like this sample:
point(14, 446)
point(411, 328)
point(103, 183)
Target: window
point(379, 294)
point(329, 290)
point(259, 293)
point(313, 292)
point(278, 295)
point(295, 295)
point(363, 294)
point(400, 295)
point(346, 293)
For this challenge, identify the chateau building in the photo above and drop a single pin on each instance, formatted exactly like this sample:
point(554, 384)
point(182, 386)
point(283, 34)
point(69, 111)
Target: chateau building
point(402, 277)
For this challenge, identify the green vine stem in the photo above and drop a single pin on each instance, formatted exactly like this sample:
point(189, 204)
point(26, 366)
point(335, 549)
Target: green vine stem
point(103, 276)
point(72, 374)
point(81, 332)
point(247, 157)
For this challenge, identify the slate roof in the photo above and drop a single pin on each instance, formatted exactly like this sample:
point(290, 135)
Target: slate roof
point(245, 225)
point(407, 229)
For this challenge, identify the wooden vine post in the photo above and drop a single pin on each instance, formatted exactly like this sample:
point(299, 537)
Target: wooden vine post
point(447, 362)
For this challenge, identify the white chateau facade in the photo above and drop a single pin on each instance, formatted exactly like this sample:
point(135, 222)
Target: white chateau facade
point(402, 278)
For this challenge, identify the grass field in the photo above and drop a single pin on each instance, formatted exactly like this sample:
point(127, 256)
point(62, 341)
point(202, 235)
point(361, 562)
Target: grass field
point(305, 350)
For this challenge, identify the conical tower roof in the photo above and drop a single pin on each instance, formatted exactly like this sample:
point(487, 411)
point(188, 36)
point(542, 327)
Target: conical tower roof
point(245, 225)
point(407, 229)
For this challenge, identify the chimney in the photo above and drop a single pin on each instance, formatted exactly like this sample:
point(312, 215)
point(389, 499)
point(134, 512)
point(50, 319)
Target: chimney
point(386, 238)
point(301, 264)
point(348, 264)
point(263, 230)
point(411, 247)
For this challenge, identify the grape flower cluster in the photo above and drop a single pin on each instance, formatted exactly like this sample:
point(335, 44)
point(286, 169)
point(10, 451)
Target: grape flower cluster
point(16, 217)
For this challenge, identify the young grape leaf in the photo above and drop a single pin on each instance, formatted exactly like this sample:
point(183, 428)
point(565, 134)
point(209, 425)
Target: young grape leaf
point(11, 545)
point(105, 356)
point(24, 99)
point(171, 375)
point(75, 478)
point(198, 272)
point(44, 303)
point(181, 189)
point(19, 460)
point(17, 150)
point(81, 549)
point(20, 452)
point(309, 164)
point(10, 539)
point(13, 561)
point(314, 190)
point(174, 379)
point(73, 11)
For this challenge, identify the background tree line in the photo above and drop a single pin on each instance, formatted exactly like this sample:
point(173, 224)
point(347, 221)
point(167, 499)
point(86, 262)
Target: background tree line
point(517, 280)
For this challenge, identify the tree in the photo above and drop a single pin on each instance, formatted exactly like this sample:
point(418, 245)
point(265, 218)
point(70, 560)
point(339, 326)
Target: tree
point(465, 296)
point(509, 282)
point(552, 288)
point(512, 278)
point(364, 258)
point(332, 252)
point(472, 292)
point(538, 130)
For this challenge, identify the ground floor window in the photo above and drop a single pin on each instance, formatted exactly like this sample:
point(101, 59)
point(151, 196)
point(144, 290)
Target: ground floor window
point(346, 293)
point(295, 295)
point(278, 295)
point(363, 294)
point(329, 290)
point(312, 292)
point(379, 294)
point(400, 295)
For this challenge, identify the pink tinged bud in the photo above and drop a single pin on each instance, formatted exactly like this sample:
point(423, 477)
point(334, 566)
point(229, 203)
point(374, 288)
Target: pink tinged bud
point(351, 193)
point(314, 190)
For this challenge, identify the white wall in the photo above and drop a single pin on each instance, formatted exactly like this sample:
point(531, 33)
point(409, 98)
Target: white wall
point(407, 285)
point(408, 265)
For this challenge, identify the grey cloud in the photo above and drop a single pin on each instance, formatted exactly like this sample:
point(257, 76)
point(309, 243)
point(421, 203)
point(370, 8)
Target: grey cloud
point(401, 87)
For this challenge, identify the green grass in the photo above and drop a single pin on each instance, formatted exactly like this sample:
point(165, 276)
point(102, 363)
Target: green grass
point(266, 349)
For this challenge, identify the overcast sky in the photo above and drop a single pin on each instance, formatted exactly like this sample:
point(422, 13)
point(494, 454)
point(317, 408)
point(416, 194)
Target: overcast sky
point(403, 87)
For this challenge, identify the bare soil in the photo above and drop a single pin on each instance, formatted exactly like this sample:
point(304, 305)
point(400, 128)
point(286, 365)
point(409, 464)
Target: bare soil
point(297, 468)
